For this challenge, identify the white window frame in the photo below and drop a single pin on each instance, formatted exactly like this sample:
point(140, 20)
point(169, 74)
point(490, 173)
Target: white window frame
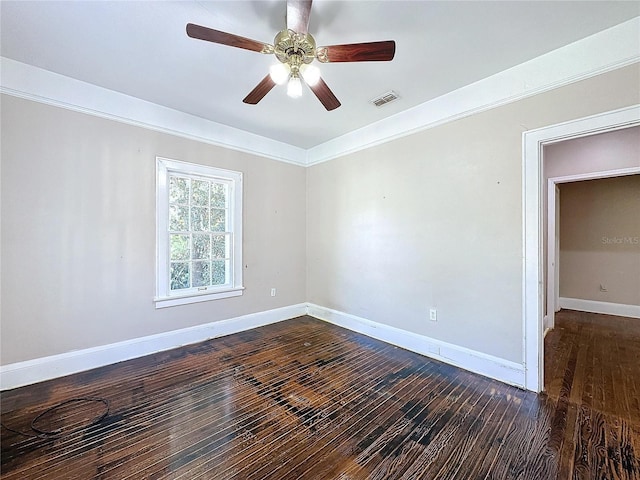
point(164, 296)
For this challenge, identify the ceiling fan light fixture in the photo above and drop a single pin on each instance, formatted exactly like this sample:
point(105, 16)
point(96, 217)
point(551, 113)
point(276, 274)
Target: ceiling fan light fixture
point(310, 73)
point(294, 87)
point(279, 73)
point(295, 48)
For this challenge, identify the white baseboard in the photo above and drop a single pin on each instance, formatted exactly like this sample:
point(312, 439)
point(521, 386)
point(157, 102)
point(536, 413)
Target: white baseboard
point(593, 306)
point(32, 371)
point(46, 368)
point(477, 362)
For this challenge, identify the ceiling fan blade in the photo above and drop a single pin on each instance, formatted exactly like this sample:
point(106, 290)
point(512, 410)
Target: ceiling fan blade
point(298, 12)
point(223, 38)
point(260, 91)
point(325, 95)
point(358, 52)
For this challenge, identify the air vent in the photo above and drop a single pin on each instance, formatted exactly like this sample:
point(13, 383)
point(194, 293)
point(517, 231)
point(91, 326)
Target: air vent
point(385, 98)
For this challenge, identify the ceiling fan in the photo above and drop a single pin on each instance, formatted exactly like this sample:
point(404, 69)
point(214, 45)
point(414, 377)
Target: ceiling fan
point(295, 49)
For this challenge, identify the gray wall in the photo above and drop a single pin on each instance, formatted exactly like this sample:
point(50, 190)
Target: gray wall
point(78, 231)
point(435, 219)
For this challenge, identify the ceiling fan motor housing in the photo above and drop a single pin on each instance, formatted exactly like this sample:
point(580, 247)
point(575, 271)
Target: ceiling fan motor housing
point(294, 49)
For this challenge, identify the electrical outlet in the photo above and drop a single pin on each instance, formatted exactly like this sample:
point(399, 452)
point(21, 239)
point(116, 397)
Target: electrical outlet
point(433, 315)
point(273, 292)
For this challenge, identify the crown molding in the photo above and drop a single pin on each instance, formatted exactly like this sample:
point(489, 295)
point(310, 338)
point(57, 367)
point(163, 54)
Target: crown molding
point(33, 83)
point(602, 52)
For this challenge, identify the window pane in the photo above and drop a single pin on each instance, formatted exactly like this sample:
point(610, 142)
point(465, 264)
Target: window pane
point(219, 195)
point(220, 246)
point(180, 247)
point(201, 274)
point(199, 193)
point(179, 276)
point(178, 218)
point(199, 219)
point(178, 190)
point(201, 246)
point(218, 220)
point(219, 277)
point(199, 233)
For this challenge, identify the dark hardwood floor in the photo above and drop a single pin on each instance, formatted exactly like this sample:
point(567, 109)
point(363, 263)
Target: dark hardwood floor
point(303, 399)
point(592, 372)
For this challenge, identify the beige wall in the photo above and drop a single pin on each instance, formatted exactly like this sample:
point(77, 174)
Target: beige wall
point(78, 231)
point(432, 219)
point(600, 240)
point(435, 219)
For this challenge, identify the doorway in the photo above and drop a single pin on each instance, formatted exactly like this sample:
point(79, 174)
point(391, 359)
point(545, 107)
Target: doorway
point(534, 281)
point(552, 291)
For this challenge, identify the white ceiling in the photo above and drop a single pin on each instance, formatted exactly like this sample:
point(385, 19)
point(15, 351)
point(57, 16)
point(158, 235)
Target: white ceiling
point(141, 49)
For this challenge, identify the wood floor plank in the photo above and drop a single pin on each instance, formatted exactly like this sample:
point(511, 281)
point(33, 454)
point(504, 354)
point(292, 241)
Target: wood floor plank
point(369, 423)
point(434, 442)
point(251, 411)
point(304, 399)
point(528, 439)
point(147, 409)
point(331, 436)
point(306, 415)
point(255, 379)
point(341, 443)
point(503, 433)
point(607, 375)
point(397, 438)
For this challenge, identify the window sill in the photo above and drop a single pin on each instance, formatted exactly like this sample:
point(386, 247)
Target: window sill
point(163, 302)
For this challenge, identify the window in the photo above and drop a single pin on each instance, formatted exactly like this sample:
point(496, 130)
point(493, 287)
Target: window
point(199, 233)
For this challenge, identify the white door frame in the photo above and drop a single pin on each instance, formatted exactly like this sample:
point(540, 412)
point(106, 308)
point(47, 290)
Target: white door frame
point(552, 223)
point(553, 252)
point(533, 282)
